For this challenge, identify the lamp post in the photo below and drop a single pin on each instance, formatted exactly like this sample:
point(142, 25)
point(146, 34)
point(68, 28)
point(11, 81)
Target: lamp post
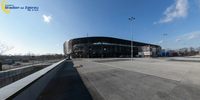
point(131, 19)
point(165, 35)
point(88, 47)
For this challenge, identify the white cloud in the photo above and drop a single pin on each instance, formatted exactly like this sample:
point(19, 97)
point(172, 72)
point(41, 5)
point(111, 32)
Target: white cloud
point(161, 41)
point(177, 10)
point(189, 36)
point(177, 40)
point(4, 48)
point(46, 18)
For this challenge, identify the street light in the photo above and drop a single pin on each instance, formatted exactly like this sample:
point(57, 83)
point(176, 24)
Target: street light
point(165, 35)
point(131, 19)
point(88, 51)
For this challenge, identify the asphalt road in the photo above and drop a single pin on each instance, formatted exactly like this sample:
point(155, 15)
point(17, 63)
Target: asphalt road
point(66, 85)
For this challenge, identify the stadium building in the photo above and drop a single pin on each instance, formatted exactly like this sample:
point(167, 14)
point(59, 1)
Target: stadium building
point(105, 47)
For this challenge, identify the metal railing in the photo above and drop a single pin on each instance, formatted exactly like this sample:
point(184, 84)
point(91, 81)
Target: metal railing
point(10, 76)
point(39, 78)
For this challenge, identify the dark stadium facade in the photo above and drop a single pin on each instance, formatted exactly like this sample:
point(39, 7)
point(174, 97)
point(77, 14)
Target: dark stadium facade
point(104, 47)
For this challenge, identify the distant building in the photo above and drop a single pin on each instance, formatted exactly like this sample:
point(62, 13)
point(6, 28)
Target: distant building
point(149, 51)
point(103, 47)
point(8, 62)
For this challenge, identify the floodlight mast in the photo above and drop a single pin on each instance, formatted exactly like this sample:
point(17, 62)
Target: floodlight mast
point(131, 19)
point(165, 35)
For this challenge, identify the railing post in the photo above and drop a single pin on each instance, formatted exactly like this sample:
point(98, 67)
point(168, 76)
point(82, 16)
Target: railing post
point(1, 66)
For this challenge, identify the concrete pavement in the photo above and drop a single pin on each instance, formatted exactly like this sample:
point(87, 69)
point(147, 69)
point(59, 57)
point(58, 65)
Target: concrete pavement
point(142, 79)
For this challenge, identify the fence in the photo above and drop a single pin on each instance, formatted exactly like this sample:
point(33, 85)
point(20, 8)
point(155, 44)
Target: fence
point(10, 76)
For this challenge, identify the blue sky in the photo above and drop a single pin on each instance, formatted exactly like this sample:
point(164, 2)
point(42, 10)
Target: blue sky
point(45, 31)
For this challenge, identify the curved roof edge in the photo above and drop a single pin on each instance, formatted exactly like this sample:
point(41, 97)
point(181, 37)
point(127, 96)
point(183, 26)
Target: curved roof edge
point(104, 37)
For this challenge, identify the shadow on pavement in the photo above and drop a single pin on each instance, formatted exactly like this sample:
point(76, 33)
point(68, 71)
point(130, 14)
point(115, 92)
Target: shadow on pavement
point(66, 85)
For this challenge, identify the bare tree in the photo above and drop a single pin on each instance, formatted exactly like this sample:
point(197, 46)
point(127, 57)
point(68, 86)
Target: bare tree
point(198, 49)
point(4, 48)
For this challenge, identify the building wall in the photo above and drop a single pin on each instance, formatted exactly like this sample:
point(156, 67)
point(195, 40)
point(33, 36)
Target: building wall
point(101, 47)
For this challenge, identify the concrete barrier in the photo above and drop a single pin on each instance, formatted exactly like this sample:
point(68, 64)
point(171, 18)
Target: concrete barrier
point(31, 86)
point(12, 75)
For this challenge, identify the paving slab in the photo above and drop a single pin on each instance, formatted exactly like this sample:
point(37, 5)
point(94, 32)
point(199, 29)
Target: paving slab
point(142, 79)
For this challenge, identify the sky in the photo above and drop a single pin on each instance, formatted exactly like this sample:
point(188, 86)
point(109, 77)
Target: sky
point(170, 23)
